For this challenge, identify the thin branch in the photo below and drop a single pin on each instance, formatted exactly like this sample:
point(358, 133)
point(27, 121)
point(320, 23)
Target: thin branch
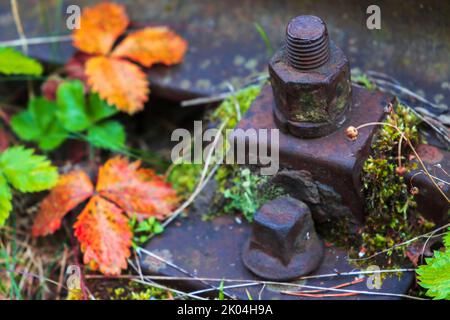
point(19, 26)
point(139, 250)
point(34, 41)
point(202, 183)
point(20, 31)
point(402, 244)
point(288, 284)
point(156, 285)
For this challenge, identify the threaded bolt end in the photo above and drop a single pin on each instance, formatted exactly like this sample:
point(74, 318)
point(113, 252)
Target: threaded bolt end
point(307, 42)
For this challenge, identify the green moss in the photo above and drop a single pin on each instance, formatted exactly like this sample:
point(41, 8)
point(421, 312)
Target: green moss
point(137, 291)
point(227, 109)
point(247, 193)
point(364, 81)
point(144, 230)
point(392, 215)
point(184, 177)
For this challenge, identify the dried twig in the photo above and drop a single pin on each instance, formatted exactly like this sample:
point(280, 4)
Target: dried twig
point(202, 182)
point(413, 150)
point(23, 38)
point(402, 244)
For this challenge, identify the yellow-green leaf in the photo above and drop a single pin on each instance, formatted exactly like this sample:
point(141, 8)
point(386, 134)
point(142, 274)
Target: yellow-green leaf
point(5, 200)
point(14, 62)
point(26, 171)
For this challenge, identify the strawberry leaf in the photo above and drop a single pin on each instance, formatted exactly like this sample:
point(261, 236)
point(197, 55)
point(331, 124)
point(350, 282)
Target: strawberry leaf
point(5, 200)
point(136, 190)
point(72, 189)
point(435, 275)
point(152, 45)
point(119, 82)
point(99, 109)
point(39, 124)
point(14, 62)
point(104, 235)
point(26, 171)
point(108, 135)
point(101, 25)
point(72, 106)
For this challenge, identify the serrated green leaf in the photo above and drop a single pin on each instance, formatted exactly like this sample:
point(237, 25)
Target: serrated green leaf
point(25, 126)
point(39, 124)
point(72, 110)
point(26, 171)
point(108, 135)
point(5, 200)
point(435, 275)
point(99, 109)
point(447, 240)
point(14, 62)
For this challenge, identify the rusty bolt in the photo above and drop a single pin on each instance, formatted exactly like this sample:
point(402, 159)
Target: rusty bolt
point(284, 244)
point(310, 79)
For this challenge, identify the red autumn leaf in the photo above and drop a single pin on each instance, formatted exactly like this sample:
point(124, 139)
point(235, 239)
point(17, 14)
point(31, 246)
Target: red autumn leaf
point(104, 235)
point(102, 228)
point(72, 189)
point(119, 82)
point(100, 27)
point(136, 190)
point(152, 45)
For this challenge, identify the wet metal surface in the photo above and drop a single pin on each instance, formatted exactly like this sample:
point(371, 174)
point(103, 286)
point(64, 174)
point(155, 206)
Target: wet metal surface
point(413, 44)
point(213, 249)
point(431, 202)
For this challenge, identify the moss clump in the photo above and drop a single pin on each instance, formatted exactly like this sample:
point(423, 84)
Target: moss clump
point(136, 291)
point(392, 215)
point(227, 109)
point(364, 81)
point(184, 177)
point(248, 192)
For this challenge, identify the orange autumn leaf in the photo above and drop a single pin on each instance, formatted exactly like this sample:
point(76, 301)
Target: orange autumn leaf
point(119, 82)
point(136, 190)
point(104, 235)
point(100, 26)
point(72, 189)
point(102, 228)
point(152, 45)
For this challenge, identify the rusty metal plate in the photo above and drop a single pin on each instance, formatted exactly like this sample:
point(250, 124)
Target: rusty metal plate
point(333, 159)
point(430, 201)
point(213, 249)
point(336, 161)
point(413, 44)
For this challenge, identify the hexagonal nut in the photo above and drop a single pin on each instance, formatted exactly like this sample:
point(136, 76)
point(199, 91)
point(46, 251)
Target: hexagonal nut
point(313, 97)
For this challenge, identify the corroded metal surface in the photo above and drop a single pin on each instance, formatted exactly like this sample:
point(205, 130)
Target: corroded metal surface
point(413, 44)
point(213, 249)
point(312, 94)
point(430, 201)
point(284, 244)
point(307, 42)
point(333, 159)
